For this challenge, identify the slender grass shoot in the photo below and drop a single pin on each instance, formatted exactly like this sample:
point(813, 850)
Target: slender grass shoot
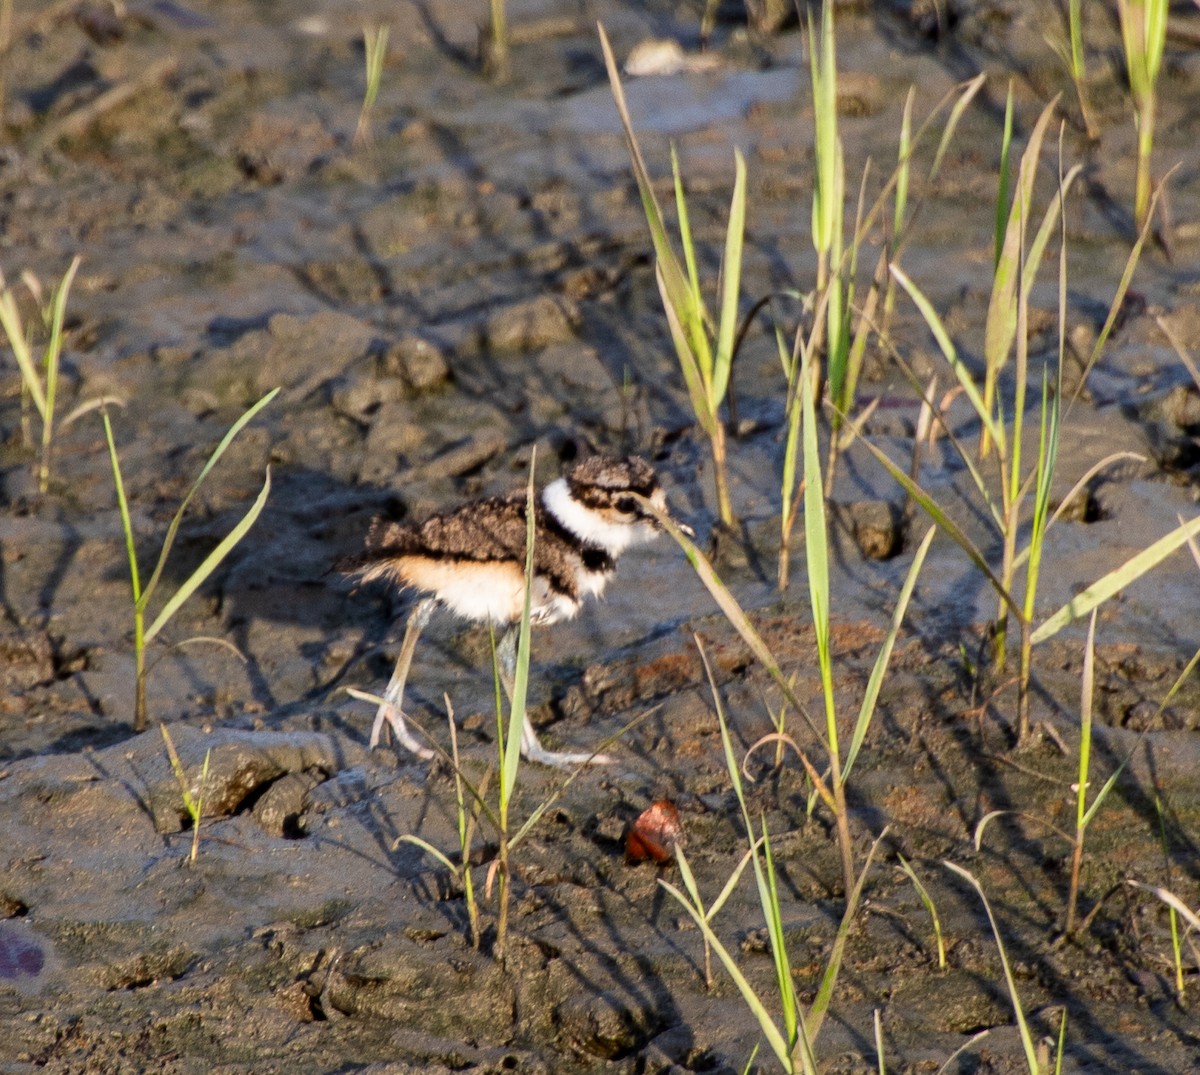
point(1032, 1060)
point(930, 906)
point(495, 44)
point(792, 1042)
point(193, 792)
point(467, 818)
point(39, 379)
point(705, 353)
point(1144, 38)
point(143, 635)
point(375, 43)
point(1070, 51)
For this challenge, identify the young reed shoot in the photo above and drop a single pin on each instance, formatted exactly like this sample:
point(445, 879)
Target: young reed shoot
point(39, 379)
point(1070, 51)
point(792, 1040)
point(468, 818)
point(495, 44)
point(930, 906)
point(705, 352)
point(1143, 38)
point(375, 44)
point(143, 635)
point(1172, 914)
point(1084, 812)
point(192, 792)
point(508, 737)
point(1032, 1060)
point(828, 205)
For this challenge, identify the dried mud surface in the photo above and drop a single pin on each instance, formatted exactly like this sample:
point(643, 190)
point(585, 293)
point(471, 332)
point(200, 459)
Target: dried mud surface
point(471, 285)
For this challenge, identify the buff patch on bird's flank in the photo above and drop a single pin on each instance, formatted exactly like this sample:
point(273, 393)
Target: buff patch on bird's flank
point(26, 960)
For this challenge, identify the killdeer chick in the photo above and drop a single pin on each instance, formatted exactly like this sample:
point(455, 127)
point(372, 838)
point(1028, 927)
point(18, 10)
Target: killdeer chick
point(472, 561)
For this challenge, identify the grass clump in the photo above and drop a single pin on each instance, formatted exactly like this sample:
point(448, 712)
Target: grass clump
point(1022, 502)
point(143, 635)
point(705, 348)
point(193, 792)
point(39, 378)
point(830, 776)
point(1143, 38)
point(375, 44)
point(791, 1040)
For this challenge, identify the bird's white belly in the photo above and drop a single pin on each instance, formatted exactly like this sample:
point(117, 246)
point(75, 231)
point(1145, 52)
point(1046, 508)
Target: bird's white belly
point(488, 592)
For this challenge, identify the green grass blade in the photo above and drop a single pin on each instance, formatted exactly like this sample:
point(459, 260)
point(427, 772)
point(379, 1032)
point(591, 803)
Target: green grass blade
point(123, 507)
point(10, 321)
point(731, 281)
point(219, 451)
point(820, 1004)
point(994, 429)
point(685, 231)
point(688, 364)
point(516, 716)
point(1002, 193)
point(732, 881)
point(904, 155)
point(1044, 472)
point(689, 881)
point(816, 549)
point(211, 561)
point(930, 906)
point(1027, 1044)
point(875, 683)
point(430, 850)
point(768, 892)
point(673, 274)
point(757, 1008)
point(53, 353)
point(960, 106)
point(823, 72)
point(1086, 697)
point(1116, 580)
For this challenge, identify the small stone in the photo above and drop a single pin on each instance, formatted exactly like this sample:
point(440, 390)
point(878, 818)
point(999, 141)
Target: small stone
point(877, 527)
point(279, 809)
point(531, 325)
point(420, 363)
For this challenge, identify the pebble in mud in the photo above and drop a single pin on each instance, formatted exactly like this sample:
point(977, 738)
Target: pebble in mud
point(531, 325)
point(878, 528)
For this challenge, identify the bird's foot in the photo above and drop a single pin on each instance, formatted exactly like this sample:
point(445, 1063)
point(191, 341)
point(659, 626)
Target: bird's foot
point(565, 760)
point(391, 715)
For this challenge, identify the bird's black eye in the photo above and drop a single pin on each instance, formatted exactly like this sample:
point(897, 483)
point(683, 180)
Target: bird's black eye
point(626, 505)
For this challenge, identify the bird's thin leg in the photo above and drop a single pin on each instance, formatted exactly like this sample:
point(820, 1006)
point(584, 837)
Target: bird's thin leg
point(531, 746)
point(391, 709)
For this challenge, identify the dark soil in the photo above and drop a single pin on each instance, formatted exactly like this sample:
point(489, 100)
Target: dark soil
point(474, 283)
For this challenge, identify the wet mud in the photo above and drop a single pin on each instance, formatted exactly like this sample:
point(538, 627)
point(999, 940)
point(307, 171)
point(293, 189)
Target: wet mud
point(471, 285)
